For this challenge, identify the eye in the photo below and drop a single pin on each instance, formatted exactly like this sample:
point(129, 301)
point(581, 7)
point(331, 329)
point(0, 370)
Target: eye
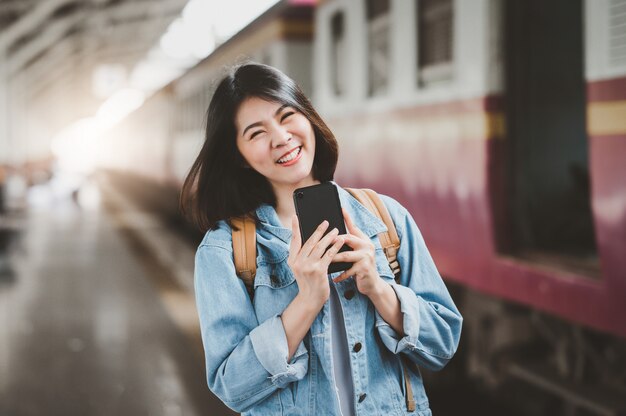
point(256, 133)
point(286, 115)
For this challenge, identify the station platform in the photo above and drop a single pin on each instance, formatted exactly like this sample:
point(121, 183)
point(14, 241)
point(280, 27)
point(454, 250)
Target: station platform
point(97, 315)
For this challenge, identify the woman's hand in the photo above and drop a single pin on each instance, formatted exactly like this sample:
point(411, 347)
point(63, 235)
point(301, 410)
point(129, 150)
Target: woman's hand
point(363, 257)
point(309, 262)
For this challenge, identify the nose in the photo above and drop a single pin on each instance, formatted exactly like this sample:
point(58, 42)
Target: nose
point(280, 136)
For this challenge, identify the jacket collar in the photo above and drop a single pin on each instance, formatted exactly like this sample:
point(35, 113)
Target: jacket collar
point(369, 223)
point(270, 222)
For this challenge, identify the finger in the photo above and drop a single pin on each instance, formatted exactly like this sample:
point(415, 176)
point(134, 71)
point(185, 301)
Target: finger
point(322, 245)
point(333, 250)
point(352, 228)
point(356, 242)
point(343, 276)
point(295, 244)
point(347, 257)
point(315, 237)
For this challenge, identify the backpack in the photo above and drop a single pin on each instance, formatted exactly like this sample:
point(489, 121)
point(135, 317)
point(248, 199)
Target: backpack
point(244, 252)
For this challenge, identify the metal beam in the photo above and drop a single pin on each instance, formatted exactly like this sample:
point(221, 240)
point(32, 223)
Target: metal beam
point(154, 26)
point(138, 9)
point(15, 6)
point(42, 72)
point(92, 51)
point(66, 60)
point(99, 42)
point(32, 20)
point(118, 34)
point(131, 52)
point(49, 37)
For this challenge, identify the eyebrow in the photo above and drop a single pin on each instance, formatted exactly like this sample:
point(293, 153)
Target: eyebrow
point(258, 123)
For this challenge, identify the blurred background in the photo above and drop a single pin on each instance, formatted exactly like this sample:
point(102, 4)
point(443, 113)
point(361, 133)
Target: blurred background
point(499, 124)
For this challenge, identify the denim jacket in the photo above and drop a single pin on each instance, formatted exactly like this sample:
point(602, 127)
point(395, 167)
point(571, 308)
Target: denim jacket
point(245, 343)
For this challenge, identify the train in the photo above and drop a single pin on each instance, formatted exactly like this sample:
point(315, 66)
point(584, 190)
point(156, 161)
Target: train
point(500, 125)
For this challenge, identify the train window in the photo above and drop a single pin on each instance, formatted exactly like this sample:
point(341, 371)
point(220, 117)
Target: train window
point(338, 51)
point(434, 40)
point(378, 25)
point(548, 162)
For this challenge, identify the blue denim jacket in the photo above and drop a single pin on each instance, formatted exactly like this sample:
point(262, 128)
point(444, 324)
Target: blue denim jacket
point(246, 346)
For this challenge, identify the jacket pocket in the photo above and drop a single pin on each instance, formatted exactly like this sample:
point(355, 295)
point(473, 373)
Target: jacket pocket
point(275, 287)
point(274, 276)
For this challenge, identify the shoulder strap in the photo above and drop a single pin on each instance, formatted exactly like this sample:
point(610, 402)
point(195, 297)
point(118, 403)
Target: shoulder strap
point(389, 239)
point(244, 250)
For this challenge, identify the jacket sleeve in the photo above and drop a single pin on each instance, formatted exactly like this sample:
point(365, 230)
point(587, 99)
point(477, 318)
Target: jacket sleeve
point(432, 323)
point(246, 361)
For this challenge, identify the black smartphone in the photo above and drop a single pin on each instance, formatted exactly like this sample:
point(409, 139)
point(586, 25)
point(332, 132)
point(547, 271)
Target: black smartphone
point(317, 203)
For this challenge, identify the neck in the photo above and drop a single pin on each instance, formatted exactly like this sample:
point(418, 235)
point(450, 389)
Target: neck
point(285, 207)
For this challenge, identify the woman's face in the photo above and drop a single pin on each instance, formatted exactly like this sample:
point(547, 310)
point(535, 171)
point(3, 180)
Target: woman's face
point(276, 140)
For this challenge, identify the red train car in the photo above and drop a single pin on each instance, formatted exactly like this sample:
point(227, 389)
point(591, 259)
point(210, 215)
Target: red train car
point(500, 125)
point(492, 138)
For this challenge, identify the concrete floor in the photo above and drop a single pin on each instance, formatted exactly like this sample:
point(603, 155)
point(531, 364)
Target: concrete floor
point(85, 329)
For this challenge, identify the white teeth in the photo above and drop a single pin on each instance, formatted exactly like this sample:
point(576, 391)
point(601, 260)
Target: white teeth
point(290, 156)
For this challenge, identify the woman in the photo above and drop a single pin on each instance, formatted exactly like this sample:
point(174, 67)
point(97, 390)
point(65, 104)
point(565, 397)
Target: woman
point(306, 343)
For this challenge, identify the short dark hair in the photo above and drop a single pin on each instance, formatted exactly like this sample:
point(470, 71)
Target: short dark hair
point(219, 186)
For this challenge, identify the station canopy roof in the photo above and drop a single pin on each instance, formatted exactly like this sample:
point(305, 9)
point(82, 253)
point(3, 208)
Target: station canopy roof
point(45, 39)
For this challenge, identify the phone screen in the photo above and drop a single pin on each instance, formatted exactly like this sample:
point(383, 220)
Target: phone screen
point(315, 204)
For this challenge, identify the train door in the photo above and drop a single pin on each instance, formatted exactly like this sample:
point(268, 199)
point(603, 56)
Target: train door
point(546, 127)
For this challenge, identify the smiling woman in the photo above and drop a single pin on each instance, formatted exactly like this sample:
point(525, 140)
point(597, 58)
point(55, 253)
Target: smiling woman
point(257, 116)
point(304, 341)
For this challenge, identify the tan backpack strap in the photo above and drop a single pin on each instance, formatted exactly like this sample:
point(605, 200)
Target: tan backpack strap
point(410, 401)
point(244, 250)
point(389, 240)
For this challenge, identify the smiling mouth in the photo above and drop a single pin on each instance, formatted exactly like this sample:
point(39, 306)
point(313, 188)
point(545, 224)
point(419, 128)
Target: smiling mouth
point(291, 157)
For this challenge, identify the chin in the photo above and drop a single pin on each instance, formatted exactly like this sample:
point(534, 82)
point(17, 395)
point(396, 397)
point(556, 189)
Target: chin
point(296, 178)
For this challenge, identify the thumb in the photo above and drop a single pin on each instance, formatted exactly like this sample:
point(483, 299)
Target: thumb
point(296, 239)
